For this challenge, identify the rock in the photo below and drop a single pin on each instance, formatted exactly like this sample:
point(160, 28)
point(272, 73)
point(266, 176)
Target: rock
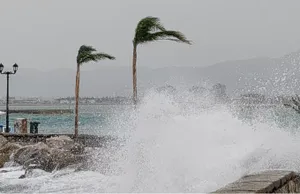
point(3, 159)
point(77, 148)
point(57, 153)
point(61, 159)
point(6, 151)
point(3, 140)
point(65, 143)
point(32, 171)
point(38, 154)
point(59, 142)
point(22, 176)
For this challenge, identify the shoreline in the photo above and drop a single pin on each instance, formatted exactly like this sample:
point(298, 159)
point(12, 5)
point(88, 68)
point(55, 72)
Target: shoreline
point(84, 139)
point(63, 105)
point(40, 111)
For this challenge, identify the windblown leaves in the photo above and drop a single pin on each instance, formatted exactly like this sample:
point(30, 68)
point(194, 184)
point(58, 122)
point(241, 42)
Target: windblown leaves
point(150, 29)
point(87, 54)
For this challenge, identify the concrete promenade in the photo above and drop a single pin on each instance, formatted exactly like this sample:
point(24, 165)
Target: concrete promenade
point(272, 181)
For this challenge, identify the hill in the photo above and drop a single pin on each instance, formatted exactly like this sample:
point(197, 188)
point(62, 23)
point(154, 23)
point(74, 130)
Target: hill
point(271, 76)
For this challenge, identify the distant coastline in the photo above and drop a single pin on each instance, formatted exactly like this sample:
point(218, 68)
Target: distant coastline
point(66, 106)
point(67, 101)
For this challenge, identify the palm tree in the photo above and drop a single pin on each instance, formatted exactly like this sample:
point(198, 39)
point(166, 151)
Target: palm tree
point(85, 55)
point(150, 29)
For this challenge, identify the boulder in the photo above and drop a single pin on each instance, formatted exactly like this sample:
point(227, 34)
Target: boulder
point(3, 159)
point(65, 143)
point(56, 153)
point(3, 141)
point(6, 151)
point(62, 159)
point(59, 142)
point(38, 154)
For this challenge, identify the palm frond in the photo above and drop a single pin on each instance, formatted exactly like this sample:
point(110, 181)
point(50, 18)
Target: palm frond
point(85, 54)
point(101, 56)
point(86, 59)
point(149, 24)
point(151, 29)
point(170, 35)
point(96, 57)
point(85, 48)
point(145, 27)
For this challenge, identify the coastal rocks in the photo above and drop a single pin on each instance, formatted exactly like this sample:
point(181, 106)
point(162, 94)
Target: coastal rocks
point(6, 151)
point(56, 153)
point(37, 155)
point(66, 144)
point(3, 141)
point(62, 159)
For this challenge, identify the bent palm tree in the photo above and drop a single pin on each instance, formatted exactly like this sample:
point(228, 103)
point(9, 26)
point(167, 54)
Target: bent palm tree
point(150, 29)
point(85, 55)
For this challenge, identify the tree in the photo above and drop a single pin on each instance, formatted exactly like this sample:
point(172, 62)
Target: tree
point(150, 29)
point(85, 54)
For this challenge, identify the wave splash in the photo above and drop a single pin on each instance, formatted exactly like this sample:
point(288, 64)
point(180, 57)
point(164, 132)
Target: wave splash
point(177, 148)
point(173, 145)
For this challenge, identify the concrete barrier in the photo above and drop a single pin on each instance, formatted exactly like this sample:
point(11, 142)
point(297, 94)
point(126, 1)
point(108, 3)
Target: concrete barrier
point(273, 181)
point(87, 140)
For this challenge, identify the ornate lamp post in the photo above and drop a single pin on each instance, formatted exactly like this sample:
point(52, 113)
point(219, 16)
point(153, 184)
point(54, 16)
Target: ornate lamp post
point(7, 73)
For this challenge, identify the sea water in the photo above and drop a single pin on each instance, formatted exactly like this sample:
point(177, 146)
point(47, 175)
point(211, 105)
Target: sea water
point(180, 143)
point(94, 119)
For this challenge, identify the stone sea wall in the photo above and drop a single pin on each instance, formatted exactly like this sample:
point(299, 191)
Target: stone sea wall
point(86, 140)
point(273, 181)
point(40, 111)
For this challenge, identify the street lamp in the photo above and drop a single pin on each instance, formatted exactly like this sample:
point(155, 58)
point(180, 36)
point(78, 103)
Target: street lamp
point(7, 73)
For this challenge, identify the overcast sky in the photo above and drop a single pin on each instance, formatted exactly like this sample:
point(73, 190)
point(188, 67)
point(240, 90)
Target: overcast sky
point(47, 34)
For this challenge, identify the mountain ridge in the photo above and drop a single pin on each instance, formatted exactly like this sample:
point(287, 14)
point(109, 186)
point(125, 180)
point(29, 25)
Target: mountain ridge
point(260, 74)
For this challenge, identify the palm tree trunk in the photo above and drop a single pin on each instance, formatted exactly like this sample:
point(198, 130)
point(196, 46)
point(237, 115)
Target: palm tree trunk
point(134, 59)
point(77, 100)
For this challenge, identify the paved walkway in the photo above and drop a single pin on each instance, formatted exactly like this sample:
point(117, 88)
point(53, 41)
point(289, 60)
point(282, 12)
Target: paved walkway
point(274, 181)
